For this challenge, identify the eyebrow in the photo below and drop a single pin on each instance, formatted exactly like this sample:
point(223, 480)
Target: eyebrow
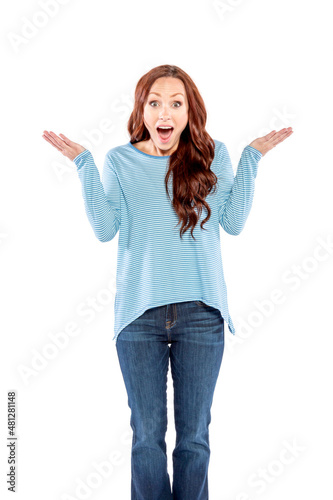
point(170, 96)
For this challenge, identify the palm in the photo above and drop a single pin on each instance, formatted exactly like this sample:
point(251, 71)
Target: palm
point(269, 141)
point(63, 144)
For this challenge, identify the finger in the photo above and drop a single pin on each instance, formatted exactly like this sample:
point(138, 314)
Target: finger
point(284, 131)
point(65, 139)
point(58, 143)
point(270, 135)
point(276, 137)
point(51, 142)
point(282, 137)
point(50, 139)
point(287, 133)
point(57, 139)
point(275, 134)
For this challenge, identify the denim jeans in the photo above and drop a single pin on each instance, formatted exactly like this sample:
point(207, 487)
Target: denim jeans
point(191, 334)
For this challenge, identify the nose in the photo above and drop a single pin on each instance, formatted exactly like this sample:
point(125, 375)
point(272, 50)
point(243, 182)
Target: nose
point(164, 113)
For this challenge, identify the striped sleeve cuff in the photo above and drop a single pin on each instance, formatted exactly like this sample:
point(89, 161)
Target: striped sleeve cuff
point(257, 155)
point(81, 157)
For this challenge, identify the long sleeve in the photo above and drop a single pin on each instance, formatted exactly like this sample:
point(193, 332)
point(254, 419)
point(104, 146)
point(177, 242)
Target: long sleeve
point(101, 199)
point(236, 193)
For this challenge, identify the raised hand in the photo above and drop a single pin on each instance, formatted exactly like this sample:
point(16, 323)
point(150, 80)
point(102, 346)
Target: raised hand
point(63, 144)
point(269, 141)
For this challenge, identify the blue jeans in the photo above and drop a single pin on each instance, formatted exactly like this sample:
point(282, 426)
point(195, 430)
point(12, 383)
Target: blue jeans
point(195, 332)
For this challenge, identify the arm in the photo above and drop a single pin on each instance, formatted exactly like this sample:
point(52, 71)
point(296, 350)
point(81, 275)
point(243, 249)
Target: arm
point(101, 200)
point(236, 194)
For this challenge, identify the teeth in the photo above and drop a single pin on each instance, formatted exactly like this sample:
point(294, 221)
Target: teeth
point(165, 127)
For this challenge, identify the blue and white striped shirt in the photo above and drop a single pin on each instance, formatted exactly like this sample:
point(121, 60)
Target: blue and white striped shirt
point(154, 265)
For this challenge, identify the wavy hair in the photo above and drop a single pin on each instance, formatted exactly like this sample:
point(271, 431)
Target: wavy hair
point(190, 164)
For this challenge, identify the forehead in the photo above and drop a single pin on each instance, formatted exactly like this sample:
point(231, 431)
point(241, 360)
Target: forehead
point(168, 85)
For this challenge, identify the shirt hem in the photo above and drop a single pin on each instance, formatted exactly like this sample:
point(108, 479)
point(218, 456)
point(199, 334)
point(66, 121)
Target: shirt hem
point(163, 303)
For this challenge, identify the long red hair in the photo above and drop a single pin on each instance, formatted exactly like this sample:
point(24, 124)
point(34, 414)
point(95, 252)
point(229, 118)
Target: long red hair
point(190, 163)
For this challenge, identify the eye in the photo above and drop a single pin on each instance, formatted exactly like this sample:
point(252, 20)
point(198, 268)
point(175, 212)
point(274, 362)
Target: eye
point(176, 102)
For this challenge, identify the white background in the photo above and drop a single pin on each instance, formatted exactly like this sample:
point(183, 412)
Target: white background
point(259, 65)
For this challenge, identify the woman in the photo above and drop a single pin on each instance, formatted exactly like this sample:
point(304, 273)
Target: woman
point(171, 298)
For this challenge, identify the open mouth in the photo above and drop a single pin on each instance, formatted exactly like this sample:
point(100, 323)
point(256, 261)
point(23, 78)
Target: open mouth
point(164, 133)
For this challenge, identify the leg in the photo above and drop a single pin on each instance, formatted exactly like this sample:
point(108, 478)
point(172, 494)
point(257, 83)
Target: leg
point(196, 355)
point(144, 359)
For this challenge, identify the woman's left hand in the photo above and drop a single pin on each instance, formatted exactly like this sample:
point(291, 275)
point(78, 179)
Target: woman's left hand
point(269, 141)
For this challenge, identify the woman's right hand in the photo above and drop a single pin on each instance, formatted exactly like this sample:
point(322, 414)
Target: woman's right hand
point(63, 144)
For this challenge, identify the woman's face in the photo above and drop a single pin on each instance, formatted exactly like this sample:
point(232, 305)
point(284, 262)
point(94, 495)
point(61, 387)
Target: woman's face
point(166, 106)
